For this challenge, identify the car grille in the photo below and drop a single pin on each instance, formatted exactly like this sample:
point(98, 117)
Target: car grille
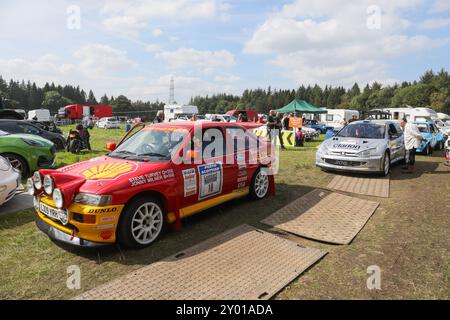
point(345, 163)
point(343, 153)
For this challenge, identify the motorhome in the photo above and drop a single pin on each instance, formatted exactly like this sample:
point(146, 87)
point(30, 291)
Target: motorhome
point(336, 117)
point(175, 111)
point(41, 115)
point(412, 114)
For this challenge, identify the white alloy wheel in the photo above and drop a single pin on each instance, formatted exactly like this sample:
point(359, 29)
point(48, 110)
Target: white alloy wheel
point(147, 223)
point(261, 184)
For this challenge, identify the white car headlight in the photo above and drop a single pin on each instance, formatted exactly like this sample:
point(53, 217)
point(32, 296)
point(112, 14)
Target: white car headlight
point(37, 178)
point(366, 153)
point(58, 198)
point(30, 186)
point(49, 185)
point(94, 200)
point(5, 165)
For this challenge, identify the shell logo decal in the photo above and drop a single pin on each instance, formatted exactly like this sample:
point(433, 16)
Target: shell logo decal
point(107, 171)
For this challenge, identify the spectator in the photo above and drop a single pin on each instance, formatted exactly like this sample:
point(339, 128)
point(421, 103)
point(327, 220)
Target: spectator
point(279, 128)
point(353, 119)
point(285, 121)
point(413, 138)
point(159, 117)
point(299, 138)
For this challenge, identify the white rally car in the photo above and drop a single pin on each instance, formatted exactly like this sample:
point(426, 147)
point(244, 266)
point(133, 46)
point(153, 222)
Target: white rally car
point(9, 180)
point(363, 146)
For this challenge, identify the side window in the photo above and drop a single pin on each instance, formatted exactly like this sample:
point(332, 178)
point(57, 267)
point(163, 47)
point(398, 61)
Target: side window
point(29, 129)
point(399, 130)
point(392, 131)
point(213, 143)
point(329, 117)
point(239, 140)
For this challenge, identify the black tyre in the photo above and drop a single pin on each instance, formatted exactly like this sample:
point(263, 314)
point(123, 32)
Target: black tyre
point(58, 144)
point(18, 163)
point(74, 146)
point(141, 222)
point(386, 164)
point(259, 187)
point(429, 150)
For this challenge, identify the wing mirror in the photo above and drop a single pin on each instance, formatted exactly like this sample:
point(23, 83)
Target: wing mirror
point(111, 146)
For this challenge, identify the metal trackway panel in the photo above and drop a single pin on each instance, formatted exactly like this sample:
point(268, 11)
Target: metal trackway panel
point(377, 187)
point(324, 216)
point(241, 264)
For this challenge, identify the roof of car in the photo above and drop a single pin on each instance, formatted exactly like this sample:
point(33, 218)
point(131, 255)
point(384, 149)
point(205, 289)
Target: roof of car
point(204, 124)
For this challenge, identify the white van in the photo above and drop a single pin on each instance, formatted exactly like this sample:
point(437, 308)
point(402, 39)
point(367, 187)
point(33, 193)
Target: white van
point(39, 115)
point(335, 117)
point(412, 114)
point(174, 111)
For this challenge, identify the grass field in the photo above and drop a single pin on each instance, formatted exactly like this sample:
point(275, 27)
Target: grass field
point(407, 237)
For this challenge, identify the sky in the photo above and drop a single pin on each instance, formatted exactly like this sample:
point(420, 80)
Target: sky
point(135, 47)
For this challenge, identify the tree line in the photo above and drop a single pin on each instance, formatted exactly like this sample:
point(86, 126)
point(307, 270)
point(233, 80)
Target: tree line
point(431, 90)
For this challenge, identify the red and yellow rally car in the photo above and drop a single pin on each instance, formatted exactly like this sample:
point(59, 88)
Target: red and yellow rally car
point(154, 177)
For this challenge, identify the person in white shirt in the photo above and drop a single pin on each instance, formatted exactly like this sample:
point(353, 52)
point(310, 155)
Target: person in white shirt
point(413, 138)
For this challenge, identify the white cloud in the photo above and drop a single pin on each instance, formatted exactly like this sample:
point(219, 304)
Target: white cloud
point(329, 42)
point(440, 6)
point(124, 25)
point(227, 79)
point(157, 33)
point(130, 17)
point(435, 23)
point(99, 59)
point(205, 61)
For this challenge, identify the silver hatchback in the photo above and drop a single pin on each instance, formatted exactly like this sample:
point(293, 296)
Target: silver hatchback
point(363, 146)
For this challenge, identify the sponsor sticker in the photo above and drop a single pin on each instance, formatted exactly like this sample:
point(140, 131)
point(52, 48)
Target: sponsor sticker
point(151, 177)
point(108, 170)
point(211, 180)
point(190, 182)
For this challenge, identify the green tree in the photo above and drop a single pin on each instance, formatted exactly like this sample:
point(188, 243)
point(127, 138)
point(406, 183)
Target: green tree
point(53, 101)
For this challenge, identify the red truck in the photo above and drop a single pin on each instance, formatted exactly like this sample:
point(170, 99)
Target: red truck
point(79, 111)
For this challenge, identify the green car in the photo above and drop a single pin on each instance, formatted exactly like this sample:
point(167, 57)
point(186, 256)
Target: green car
point(27, 153)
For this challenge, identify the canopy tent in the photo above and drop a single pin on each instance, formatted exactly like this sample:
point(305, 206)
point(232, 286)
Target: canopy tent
point(301, 106)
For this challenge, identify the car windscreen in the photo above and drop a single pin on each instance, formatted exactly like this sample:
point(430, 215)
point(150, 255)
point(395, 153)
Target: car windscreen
point(363, 131)
point(423, 128)
point(151, 143)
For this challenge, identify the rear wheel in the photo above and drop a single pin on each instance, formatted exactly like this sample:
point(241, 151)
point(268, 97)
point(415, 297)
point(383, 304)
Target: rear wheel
point(58, 144)
point(18, 163)
point(141, 223)
point(259, 187)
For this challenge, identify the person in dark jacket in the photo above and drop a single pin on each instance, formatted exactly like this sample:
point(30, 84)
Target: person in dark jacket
point(159, 117)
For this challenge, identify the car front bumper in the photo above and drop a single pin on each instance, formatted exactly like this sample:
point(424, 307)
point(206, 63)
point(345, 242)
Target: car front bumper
point(331, 162)
point(58, 235)
point(8, 186)
point(86, 224)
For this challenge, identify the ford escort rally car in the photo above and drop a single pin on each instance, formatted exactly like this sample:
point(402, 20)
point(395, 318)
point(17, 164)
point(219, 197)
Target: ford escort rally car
point(363, 146)
point(154, 177)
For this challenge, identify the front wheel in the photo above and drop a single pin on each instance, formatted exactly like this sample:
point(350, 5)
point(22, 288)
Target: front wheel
point(18, 163)
point(141, 223)
point(429, 150)
point(386, 164)
point(259, 187)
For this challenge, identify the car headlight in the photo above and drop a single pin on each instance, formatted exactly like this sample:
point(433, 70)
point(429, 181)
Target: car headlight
point(33, 143)
point(37, 178)
point(366, 153)
point(5, 165)
point(30, 186)
point(93, 199)
point(58, 198)
point(49, 185)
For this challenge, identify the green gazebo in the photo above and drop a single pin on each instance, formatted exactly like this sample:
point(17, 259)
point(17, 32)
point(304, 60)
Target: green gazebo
point(301, 106)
